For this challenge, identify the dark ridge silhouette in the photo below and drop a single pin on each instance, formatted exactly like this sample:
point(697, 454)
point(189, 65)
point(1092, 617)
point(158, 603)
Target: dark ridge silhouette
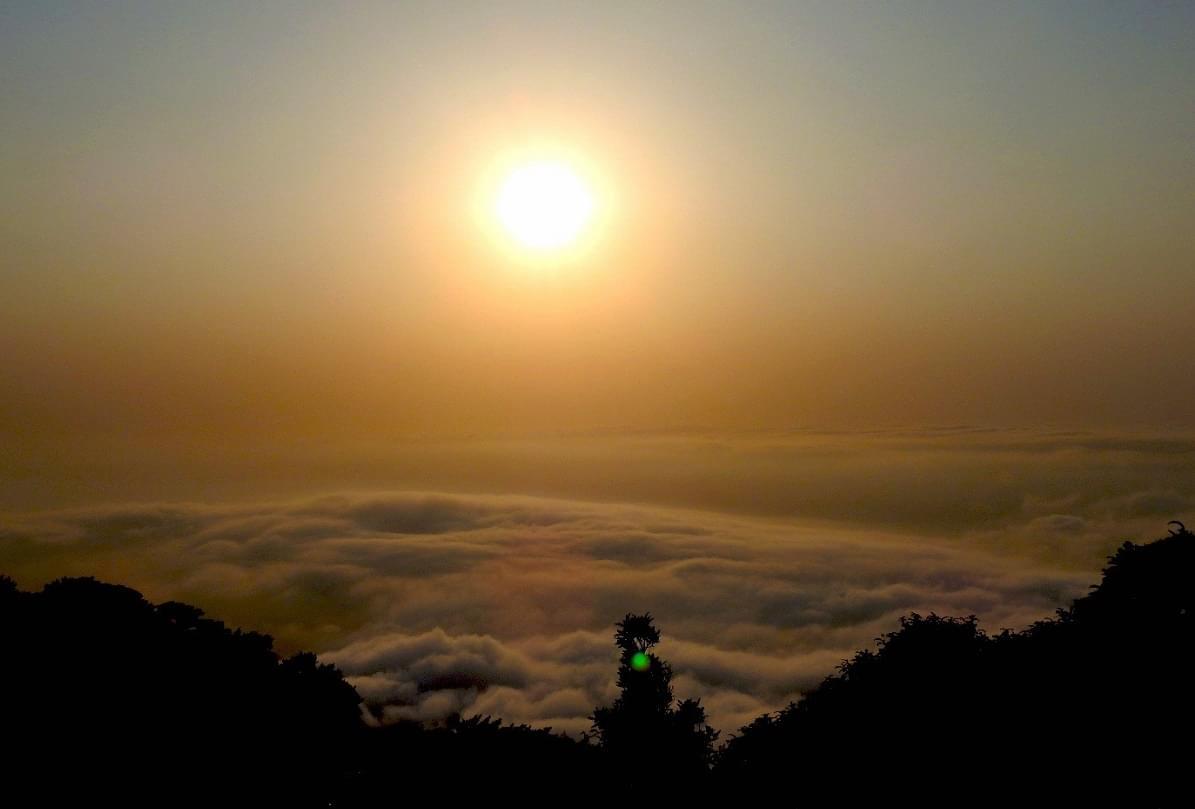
point(1094, 706)
point(109, 699)
point(475, 759)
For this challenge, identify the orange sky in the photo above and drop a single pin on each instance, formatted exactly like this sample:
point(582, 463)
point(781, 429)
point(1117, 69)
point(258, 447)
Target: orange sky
point(222, 223)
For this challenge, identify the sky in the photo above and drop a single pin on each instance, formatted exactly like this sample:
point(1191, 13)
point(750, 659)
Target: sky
point(884, 306)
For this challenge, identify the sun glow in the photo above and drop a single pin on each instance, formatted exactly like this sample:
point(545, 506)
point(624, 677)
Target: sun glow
point(544, 205)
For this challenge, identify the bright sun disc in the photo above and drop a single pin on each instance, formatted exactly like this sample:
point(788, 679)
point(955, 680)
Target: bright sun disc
point(544, 206)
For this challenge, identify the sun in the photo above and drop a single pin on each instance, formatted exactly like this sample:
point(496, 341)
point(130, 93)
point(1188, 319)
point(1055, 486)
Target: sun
point(544, 205)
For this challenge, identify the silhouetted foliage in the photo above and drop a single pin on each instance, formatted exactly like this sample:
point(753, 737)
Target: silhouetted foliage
point(111, 698)
point(1093, 706)
point(477, 759)
point(650, 741)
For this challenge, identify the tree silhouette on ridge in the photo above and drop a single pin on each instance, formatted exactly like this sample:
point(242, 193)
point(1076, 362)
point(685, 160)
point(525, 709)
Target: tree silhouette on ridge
point(649, 739)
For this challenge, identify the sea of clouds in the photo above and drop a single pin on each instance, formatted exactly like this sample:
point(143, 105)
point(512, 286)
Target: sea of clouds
point(435, 603)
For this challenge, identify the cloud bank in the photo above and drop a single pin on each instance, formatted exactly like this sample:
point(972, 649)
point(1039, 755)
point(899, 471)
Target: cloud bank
point(504, 605)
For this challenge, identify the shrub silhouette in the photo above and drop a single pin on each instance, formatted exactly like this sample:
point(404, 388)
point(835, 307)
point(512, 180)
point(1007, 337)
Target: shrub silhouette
point(650, 741)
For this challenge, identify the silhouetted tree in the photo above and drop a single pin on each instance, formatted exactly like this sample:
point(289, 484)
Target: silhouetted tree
point(651, 742)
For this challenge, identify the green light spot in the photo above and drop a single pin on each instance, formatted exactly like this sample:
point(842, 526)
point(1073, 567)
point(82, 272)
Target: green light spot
point(640, 661)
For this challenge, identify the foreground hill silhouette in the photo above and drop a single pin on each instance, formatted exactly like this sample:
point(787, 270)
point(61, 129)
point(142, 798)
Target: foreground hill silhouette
point(1094, 706)
point(107, 698)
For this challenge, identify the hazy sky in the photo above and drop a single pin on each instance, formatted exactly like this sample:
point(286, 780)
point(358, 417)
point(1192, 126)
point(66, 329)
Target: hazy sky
point(886, 306)
point(228, 219)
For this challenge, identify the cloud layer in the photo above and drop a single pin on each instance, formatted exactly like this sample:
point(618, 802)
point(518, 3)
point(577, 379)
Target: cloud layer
point(504, 605)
